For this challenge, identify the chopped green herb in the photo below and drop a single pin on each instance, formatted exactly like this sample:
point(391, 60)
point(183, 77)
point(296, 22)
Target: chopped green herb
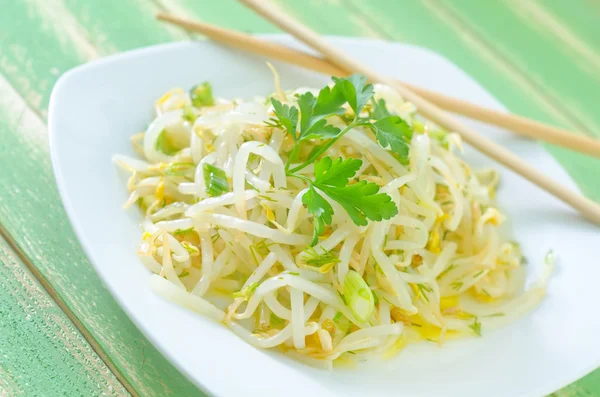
point(476, 327)
point(294, 273)
point(337, 317)
point(215, 180)
point(359, 296)
point(183, 231)
point(180, 169)
point(423, 290)
point(448, 269)
point(499, 314)
point(375, 297)
point(478, 273)
point(486, 293)
point(190, 114)
point(183, 274)
point(262, 247)
point(457, 285)
point(262, 196)
point(315, 259)
point(201, 95)
point(254, 256)
point(276, 320)
point(193, 251)
point(247, 292)
point(164, 144)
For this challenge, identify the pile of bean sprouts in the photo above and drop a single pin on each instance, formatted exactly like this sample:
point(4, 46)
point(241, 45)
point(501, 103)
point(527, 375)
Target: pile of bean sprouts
point(441, 268)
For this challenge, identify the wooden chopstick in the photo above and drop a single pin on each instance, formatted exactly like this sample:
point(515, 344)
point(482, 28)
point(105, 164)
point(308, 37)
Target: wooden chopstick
point(521, 125)
point(268, 10)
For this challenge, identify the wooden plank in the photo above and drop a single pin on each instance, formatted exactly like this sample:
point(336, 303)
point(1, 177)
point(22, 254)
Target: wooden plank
point(580, 50)
point(227, 13)
point(116, 25)
point(581, 17)
point(543, 49)
point(327, 17)
point(43, 354)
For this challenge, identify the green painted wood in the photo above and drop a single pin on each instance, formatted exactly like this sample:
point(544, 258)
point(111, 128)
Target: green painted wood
point(583, 19)
point(48, 40)
point(544, 51)
point(40, 39)
point(41, 352)
point(227, 13)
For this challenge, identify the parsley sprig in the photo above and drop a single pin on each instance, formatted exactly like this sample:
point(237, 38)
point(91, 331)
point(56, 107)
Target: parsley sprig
point(309, 121)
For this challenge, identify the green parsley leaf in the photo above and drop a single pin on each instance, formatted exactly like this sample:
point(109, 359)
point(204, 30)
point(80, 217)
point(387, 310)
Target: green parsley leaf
point(313, 113)
point(355, 90)
point(286, 117)
point(306, 103)
point(215, 180)
point(336, 172)
point(164, 144)
point(201, 95)
point(321, 211)
point(362, 201)
point(394, 132)
point(380, 110)
point(329, 102)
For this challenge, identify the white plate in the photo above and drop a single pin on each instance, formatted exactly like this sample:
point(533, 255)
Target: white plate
point(95, 109)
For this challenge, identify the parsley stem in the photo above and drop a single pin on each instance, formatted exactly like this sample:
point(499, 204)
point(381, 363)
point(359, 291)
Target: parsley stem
point(301, 177)
point(293, 155)
point(355, 123)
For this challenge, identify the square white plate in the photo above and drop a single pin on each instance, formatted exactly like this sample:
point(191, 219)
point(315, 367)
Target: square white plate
point(95, 109)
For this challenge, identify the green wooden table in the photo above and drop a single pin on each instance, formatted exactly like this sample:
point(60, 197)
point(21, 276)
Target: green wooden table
point(61, 331)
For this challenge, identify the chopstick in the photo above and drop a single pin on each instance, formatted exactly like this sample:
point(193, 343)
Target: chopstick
point(587, 207)
point(521, 125)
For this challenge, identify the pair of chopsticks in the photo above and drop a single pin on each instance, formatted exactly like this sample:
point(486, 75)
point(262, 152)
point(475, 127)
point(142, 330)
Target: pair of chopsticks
point(521, 125)
point(339, 63)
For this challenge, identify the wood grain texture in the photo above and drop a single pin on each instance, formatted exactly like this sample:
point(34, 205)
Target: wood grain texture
point(41, 352)
point(543, 50)
point(30, 208)
point(40, 39)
